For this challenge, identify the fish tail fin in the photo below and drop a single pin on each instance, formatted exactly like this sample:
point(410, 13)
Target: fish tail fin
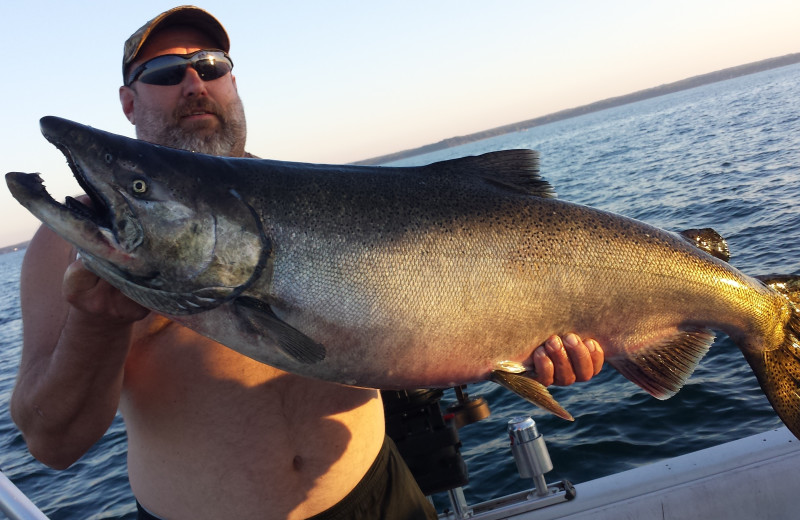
point(778, 370)
point(531, 390)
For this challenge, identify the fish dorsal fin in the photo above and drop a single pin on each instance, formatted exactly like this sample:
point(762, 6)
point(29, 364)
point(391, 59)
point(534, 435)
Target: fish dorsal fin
point(709, 241)
point(516, 170)
point(260, 317)
point(531, 390)
point(663, 368)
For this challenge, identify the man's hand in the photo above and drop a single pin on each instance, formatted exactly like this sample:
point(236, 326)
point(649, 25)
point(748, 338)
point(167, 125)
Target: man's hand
point(563, 362)
point(91, 294)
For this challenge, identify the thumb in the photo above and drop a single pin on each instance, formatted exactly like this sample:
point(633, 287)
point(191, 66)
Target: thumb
point(77, 279)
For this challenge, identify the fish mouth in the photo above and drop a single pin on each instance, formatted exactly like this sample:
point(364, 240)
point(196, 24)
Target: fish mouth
point(104, 205)
point(29, 190)
point(98, 209)
point(89, 222)
point(94, 207)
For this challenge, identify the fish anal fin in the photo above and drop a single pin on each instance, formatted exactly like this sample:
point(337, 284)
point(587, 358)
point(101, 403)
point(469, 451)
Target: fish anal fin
point(259, 316)
point(531, 390)
point(515, 170)
point(663, 368)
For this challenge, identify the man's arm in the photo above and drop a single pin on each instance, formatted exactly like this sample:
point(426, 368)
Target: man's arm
point(76, 337)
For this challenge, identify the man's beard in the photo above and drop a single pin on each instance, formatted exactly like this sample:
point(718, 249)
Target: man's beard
point(227, 139)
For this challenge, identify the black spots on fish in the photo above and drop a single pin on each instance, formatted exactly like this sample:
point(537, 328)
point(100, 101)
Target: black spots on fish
point(391, 206)
point(777, 369)
point(562, 237)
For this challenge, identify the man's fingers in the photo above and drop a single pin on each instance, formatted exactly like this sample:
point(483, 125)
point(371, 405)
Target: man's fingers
point(563, 362)
point(543, 366)
point(563, 373)
point(580, 356)
point(598, 356)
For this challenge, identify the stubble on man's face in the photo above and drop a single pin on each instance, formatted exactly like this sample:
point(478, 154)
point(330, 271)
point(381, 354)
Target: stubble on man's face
point(223, 135)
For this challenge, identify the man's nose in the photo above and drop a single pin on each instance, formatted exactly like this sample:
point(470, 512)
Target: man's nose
point(193, 84)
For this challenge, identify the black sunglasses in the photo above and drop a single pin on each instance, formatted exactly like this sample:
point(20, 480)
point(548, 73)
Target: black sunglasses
point(170, 69)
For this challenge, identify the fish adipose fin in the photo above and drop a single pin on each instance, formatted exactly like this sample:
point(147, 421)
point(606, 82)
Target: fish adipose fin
point(515, 170)
point(663, 368)
point(710, 241)
point(778, 370)
point(531, 390)
point(259, 316)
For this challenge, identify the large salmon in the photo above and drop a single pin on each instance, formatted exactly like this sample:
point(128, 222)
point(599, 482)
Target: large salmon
point(406, 277)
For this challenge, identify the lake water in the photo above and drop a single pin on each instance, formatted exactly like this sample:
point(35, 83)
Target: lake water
point(725, 155)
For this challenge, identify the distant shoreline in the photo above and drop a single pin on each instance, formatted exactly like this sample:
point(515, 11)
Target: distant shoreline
point(15, 247)
point(685, 84)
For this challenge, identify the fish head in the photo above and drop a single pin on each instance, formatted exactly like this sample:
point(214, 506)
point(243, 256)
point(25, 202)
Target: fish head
point(160, 224)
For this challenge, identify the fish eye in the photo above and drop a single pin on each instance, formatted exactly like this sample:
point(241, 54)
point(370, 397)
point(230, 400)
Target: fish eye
point(139, 186)
point(109, 158)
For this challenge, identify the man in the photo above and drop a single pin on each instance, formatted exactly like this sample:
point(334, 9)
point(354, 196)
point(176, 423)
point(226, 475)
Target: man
point(211, 433)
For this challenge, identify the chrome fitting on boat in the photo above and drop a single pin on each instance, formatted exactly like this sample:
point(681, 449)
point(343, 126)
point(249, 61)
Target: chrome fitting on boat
point(533, 461)
point(530, 452)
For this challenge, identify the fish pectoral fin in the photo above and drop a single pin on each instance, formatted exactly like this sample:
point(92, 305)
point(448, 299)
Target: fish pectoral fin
point(531, 390)
point(259, 316)
point(663, 368)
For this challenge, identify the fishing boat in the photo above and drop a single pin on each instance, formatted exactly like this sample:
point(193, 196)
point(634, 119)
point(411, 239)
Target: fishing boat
point(753, 477)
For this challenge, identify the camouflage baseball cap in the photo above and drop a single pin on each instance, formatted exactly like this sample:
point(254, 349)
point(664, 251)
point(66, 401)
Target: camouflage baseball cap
point(182, 15)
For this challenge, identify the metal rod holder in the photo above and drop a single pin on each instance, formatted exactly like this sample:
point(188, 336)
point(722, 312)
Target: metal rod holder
point(530, 452)
point(533, 461)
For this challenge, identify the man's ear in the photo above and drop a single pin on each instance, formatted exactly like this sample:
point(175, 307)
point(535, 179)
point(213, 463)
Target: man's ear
point(127, 97)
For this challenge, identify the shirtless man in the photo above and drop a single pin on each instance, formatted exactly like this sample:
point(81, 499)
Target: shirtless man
point(211, 433)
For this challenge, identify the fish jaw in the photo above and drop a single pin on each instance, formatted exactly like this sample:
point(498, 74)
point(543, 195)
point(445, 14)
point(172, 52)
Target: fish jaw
point(74, 221)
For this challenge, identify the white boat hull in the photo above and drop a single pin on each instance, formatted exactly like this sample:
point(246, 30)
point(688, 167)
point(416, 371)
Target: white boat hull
point(757, 477)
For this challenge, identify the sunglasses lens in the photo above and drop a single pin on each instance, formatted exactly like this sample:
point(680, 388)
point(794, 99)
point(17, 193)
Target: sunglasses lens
point(164, 70)
point(170, 69)
point(210, 69)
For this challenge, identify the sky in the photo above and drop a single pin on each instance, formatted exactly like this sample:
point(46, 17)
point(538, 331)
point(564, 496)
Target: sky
point(339, 81)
